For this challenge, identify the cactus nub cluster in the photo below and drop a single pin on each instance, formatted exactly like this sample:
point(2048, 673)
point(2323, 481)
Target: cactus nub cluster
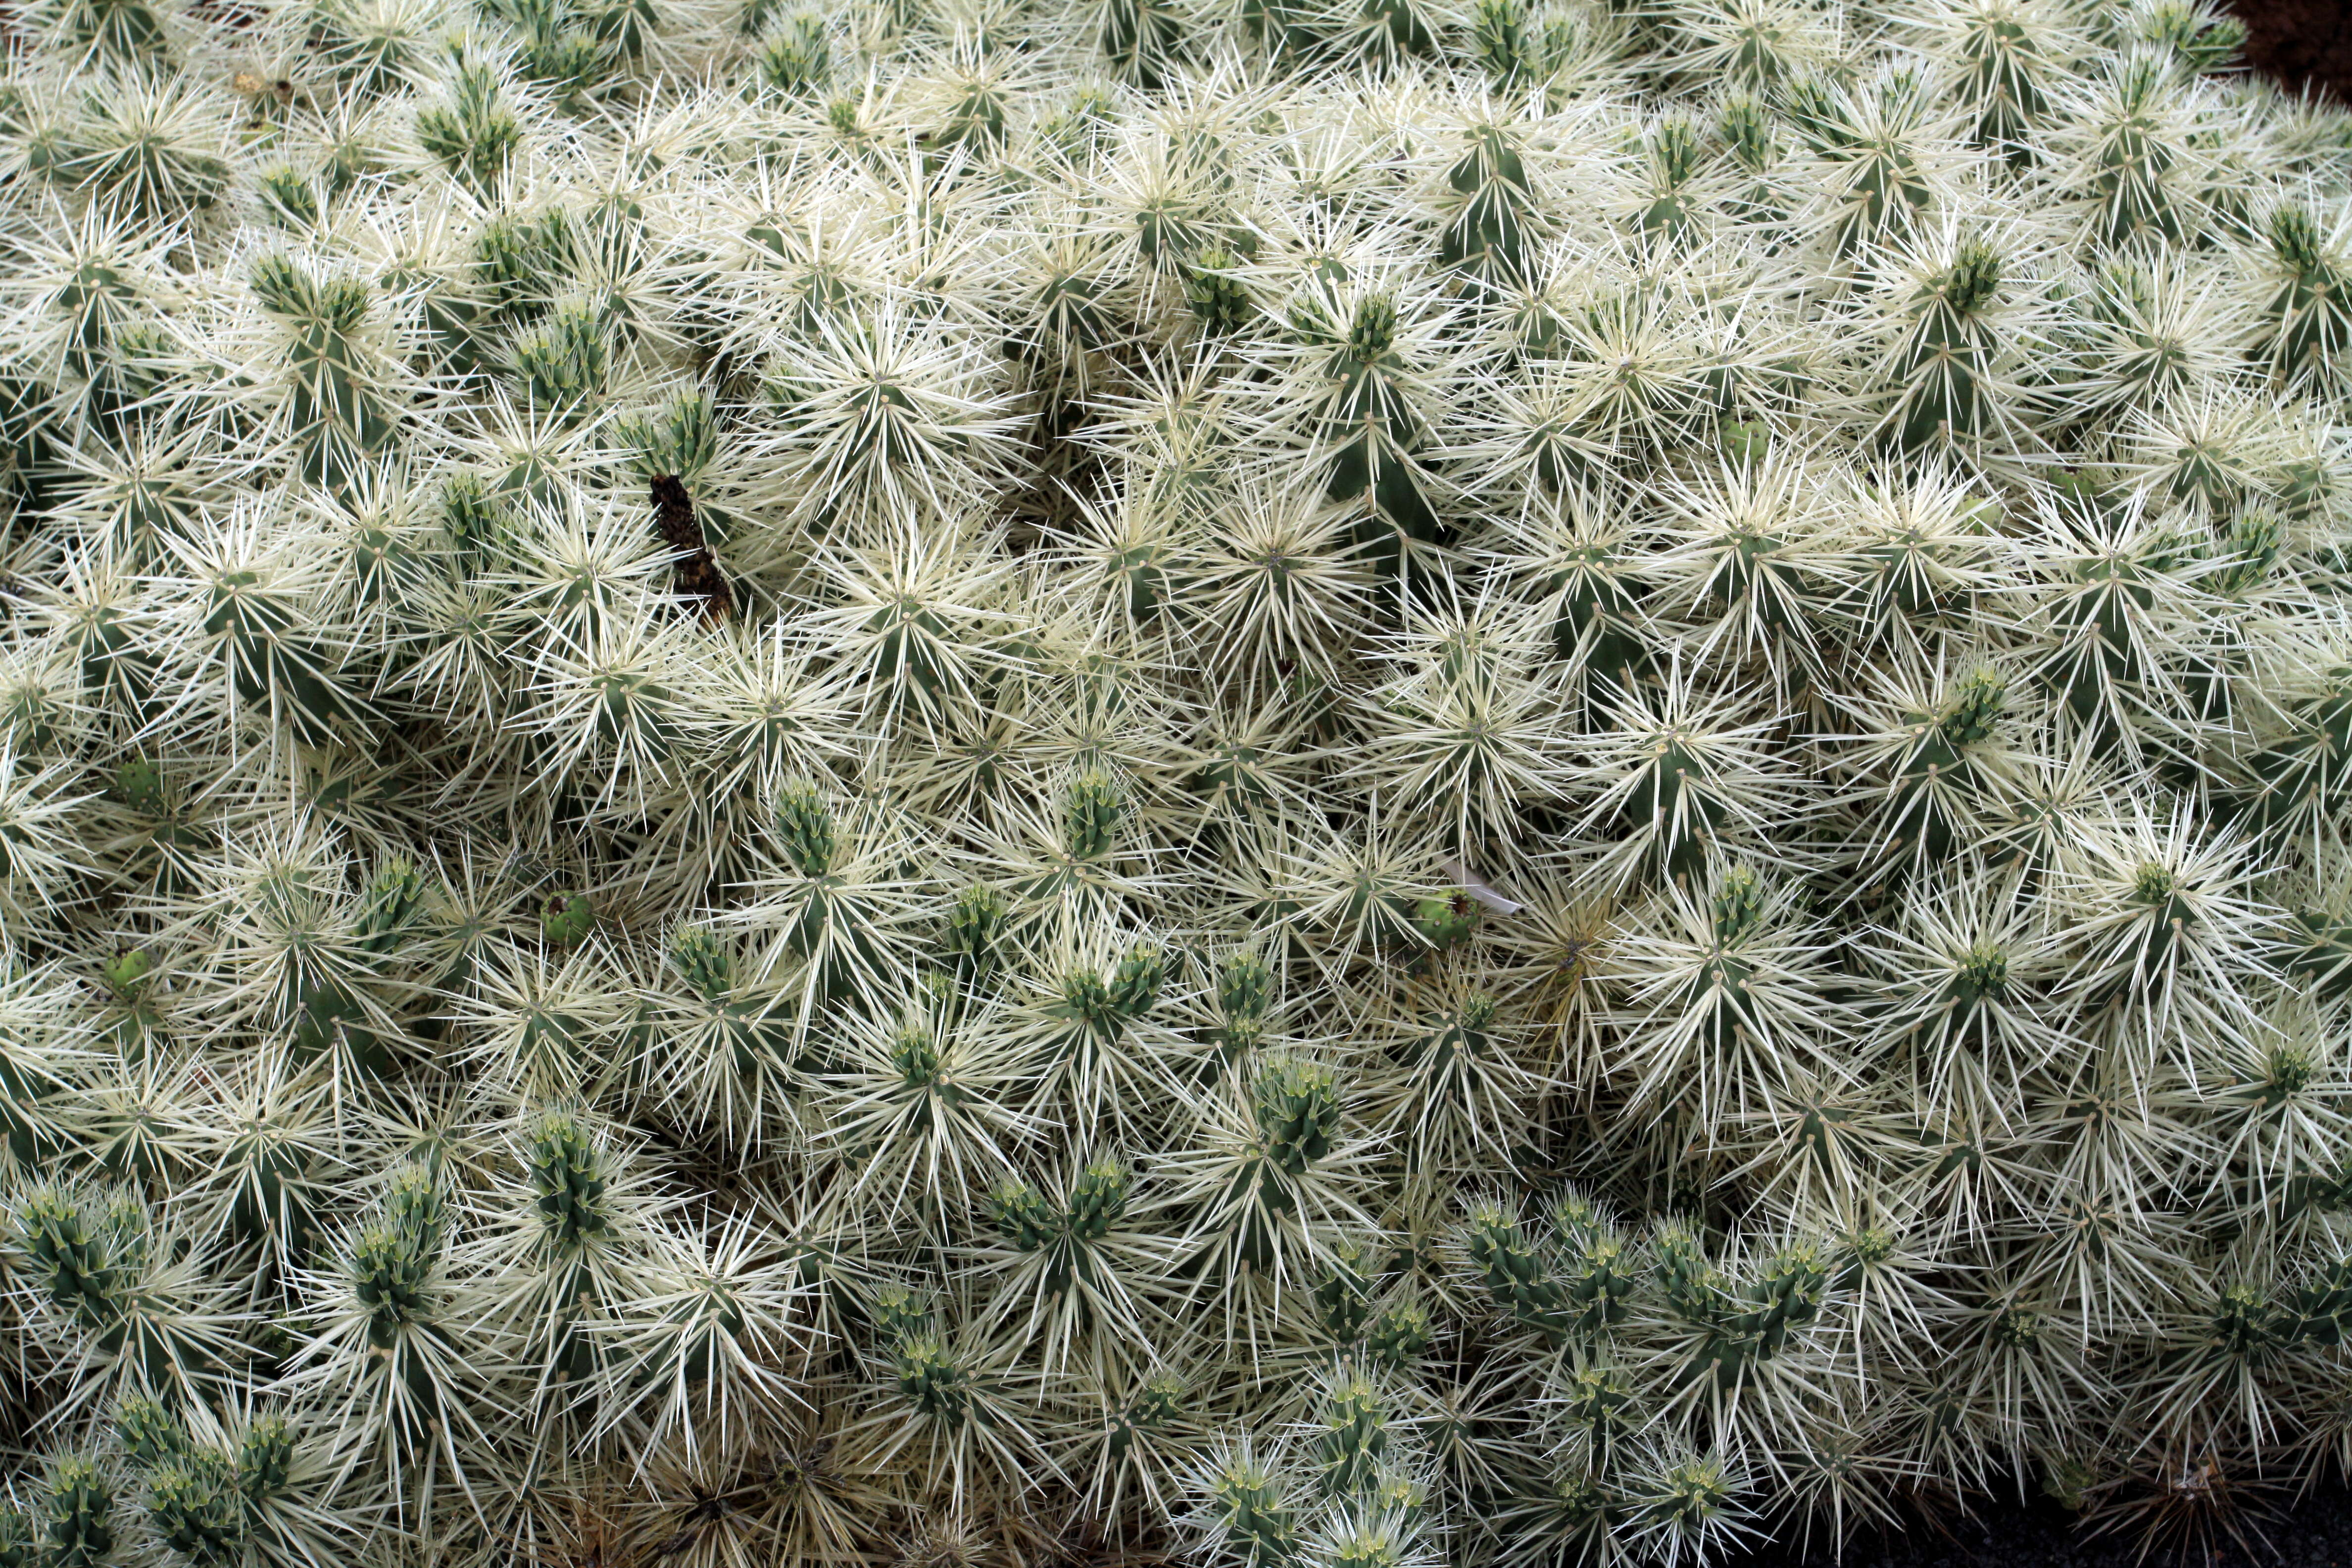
point(1288, 783)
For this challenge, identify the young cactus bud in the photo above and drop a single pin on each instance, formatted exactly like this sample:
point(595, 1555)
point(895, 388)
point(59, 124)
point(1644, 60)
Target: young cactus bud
point(1077, 128)
point(805, 828)
point(1673, 159)
point(1090, 816)
point(1021, 1214)
point(76, 1516)
point(1941, 370)
point(1398, 1337)
point(976, 923)
point(560, 364)
point(1739, 906)
point(194, 1504)
point(2204, 42)
point(1087, 1001)
point(1595, 1267)
point(413, 1205)
point(1968, 719)
point(70, 1255)
point(1135, 984)
point(1788, 1296)
point(1098, 1200)
point(1157, 1407)
point(568, 1174)
point(2068, 1481)
point(1450, 1062)
point(390, 1267)
point(2166, 914)
point(1518, 1276)
point(2014, 1327)
point(1371, 332)
point(915, 1057)
point(1219, 302)
point(1298, 1114)
point(290, 197)
point(265, 1461)
point(150, 1434)
point(1244, 993)
point(703, 962)
point(474, 521)
point(1369, 420)
point(336, 411)
point(1747, 128)
point(2243, 1325)
point(798, 61)
point(898, 1313)
point(1865, 1250)
point(1343, 1299)
point(1600, 1400)
point(1258, 1529)
point(1503, 41)
point(394, 898)
point(1691, 1285)
point(1979, 982)
point(1691, 1506)
point(679, 442)
point(930, 1379)
point(1352, 1437)
point(474, 136)
point(2248, 552)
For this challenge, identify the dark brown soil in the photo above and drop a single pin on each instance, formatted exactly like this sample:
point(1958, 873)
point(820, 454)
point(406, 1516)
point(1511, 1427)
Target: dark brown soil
point(2312, 1531)
point(2301, 43)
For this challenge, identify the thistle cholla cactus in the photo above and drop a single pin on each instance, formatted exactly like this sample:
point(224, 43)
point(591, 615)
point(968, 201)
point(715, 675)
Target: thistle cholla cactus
point(1325, 784)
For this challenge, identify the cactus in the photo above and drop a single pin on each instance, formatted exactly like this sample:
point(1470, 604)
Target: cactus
point(1313, 781)
point(77, 1515)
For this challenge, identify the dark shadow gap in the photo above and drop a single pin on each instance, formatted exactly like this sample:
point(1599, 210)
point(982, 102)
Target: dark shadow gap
point(2301, 44)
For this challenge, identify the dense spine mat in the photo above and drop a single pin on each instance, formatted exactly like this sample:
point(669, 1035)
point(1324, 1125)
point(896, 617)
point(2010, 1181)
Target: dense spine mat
point(1302, 783)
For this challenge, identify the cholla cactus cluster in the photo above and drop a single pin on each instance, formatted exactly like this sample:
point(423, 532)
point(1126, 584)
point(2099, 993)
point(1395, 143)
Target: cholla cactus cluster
point(1375, 783)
